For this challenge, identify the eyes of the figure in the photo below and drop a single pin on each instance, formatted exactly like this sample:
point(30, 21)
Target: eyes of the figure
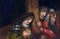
point(43, 13)
point(28, 20)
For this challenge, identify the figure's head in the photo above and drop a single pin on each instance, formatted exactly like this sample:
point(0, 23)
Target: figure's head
point(43, 13)
point(28, 19)
point(52, 13)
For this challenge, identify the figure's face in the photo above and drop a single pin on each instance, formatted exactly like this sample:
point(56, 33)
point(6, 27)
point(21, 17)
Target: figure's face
point(52, 18)
point(42, 15)
point(28, 21)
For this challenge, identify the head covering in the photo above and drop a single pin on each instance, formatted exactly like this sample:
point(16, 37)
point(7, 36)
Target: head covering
point(51, 10)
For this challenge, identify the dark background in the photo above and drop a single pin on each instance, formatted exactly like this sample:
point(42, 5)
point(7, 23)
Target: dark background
point(11, 9)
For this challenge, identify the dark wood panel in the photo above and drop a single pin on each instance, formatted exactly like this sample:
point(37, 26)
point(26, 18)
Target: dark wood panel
point(58, 24)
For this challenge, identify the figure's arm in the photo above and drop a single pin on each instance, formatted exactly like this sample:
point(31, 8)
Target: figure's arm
point(36, 26)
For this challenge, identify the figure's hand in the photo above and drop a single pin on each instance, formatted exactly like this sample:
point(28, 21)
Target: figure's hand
point(26, 32)
point(39, 24)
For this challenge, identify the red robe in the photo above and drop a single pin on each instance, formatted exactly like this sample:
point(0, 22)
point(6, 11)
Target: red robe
point(45, 30)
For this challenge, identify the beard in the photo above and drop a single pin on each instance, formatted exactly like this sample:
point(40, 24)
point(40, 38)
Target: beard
point(42, 19)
